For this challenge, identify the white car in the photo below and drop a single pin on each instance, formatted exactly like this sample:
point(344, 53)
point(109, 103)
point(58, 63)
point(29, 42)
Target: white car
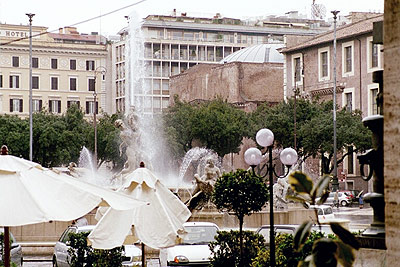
point(131, 257)
point(194, 248)
point(16, 251)
point(344, 200)
point(325, 213)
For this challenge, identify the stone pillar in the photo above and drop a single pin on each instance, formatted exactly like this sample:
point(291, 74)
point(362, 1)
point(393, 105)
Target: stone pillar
point(392, 129)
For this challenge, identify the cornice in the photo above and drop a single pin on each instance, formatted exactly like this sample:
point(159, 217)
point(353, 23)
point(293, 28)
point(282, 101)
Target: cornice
point(48, 50)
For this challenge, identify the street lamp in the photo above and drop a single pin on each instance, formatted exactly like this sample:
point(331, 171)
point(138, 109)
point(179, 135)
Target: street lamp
point(102, 70)
point(253, 157)
point(30, 16)
point(335, 182)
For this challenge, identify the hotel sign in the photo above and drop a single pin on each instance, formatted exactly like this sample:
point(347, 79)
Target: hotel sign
point(17, 34)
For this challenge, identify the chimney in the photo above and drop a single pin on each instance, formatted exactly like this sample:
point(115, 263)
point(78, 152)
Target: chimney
point(174, 12)
point(60, 30)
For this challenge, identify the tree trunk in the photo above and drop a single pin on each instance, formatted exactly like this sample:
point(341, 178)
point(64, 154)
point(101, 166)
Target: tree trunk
point(241, 239)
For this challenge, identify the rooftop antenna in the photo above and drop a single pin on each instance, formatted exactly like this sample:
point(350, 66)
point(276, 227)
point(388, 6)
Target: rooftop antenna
point(318, 11)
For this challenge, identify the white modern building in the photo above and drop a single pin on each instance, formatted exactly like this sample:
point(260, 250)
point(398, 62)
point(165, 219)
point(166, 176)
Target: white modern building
point(175, 43)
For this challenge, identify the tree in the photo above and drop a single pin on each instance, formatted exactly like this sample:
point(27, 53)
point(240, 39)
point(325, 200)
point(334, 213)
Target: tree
point(14, 133)
point(108, 141)
point(216, 125)
point(242, 193)
point(314, 122)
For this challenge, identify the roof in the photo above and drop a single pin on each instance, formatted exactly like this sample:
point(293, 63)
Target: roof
point(261, 53)
point(229, 28)
point(346, 31)
point(75, 37)
point(188, 224)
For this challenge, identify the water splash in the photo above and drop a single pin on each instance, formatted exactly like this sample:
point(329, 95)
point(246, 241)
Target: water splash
point(197, 156)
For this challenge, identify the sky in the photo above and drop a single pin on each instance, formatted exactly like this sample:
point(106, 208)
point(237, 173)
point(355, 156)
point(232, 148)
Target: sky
point(55, 14)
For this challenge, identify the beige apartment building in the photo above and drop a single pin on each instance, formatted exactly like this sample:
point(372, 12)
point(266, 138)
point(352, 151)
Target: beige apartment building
point(175, 43)
point(67, 68)
point(309, 69)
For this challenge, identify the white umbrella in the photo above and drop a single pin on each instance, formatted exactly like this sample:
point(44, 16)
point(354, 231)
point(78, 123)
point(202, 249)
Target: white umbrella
point(157, 225)
point(30, 193)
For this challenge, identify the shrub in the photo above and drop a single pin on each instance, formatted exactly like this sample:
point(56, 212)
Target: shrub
point(226, 249)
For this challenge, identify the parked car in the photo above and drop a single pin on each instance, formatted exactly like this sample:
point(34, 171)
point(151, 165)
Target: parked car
point(132, 255)
point(264, 230)
point(194, 250)
point(325, 212)
point(344, 200)
point(16, 250)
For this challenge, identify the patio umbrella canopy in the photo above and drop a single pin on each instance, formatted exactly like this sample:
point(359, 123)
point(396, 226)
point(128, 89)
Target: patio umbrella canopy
point(30, 193)
point(157, 225)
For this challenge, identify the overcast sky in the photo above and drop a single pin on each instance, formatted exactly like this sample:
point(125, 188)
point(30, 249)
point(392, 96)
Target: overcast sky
point(55, 14)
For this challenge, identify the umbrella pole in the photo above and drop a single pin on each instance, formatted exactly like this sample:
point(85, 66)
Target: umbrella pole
point(143, 256)
point(6, 246)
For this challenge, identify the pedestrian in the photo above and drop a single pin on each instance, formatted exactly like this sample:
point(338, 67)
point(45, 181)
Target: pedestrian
point(336, 199)
point(361, 201)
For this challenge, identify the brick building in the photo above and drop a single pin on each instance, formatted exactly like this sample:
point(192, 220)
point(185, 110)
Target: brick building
point(309, 68)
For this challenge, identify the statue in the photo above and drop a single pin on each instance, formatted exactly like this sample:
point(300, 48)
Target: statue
point(204, 185)
point(280, 190)
point(130, 138)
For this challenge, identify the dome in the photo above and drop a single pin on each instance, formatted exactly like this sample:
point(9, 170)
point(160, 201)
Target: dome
point(261, 53)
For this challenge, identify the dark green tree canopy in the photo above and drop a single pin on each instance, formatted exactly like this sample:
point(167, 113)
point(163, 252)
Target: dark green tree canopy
point(216, 125)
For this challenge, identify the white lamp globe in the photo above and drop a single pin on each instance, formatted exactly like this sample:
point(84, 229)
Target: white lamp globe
point(253, 156)
point(288, 156)
point(265, 137)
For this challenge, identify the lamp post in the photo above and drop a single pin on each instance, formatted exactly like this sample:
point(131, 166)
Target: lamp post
point(30, 15)
point(253, 157)
point(335, 182)
point(102, 70)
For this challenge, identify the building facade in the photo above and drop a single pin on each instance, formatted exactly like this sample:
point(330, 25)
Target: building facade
point(67, 68)
point(175, 43)
point(309, 71)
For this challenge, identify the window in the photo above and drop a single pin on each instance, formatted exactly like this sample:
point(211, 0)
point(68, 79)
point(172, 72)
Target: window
point(35, 62)
point(297, 69)
point(90, 107)
point(73, 102)
point(91, 84)
point(374, 55)
point(89, 64)
point(55, 106)
point(16, 105)
point(373, 90)
point(323, 64)
point(348, 99)
point(54, 83)
point(36, 105)
point(1, 81)
point(14, 81)
point(72, 64)
point(54, 63)
point(15, 61)
point(350, 160)
point(348, 59)
point(35, 82)
point(72, 84)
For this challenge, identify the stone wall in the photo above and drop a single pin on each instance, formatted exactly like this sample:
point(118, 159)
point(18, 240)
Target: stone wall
point(392, 129)
point(237, 82)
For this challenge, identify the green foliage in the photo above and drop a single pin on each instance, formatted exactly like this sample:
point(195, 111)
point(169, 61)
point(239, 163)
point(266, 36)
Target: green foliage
point(81, 254)
point(325, 252)
point(226, 249)
point(286, 255)
point(216, 125)
point(240, 192)
point(314, 121)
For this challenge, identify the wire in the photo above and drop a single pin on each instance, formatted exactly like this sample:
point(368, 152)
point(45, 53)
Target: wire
point(78, 23)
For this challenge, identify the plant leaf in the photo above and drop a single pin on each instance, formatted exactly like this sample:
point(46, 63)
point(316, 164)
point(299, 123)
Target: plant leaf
point(319, 187)
point(323, 198)
point(300, 182)
point(345, 235)
point(301, 235)
point(345, 254)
